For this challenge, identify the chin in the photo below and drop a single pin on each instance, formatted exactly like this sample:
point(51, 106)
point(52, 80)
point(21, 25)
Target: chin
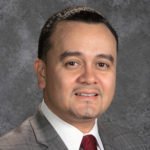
point(88, 114)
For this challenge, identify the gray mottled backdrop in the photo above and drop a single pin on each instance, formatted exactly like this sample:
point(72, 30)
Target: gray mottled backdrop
point(20, 24)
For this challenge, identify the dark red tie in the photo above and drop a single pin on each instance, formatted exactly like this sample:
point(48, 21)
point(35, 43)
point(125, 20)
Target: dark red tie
point(89, 143)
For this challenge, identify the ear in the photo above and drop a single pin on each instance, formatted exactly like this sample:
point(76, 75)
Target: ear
point(40, 70)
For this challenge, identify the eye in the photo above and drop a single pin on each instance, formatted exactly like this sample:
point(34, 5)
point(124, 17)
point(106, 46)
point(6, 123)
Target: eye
point(102, 65)
point(71, 63)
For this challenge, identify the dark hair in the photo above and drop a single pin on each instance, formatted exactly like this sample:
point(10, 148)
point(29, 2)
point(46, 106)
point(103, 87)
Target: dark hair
point(78, 13)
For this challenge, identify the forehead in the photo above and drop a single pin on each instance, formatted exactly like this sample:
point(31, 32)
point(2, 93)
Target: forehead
point(64, 27)
point(83, 37)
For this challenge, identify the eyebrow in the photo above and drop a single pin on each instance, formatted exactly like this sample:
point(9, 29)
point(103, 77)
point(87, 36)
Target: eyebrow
point(106, 56)
point(76, 53)
point(66, 54)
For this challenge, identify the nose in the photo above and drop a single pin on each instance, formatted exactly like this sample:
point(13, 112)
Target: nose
point(87, 76)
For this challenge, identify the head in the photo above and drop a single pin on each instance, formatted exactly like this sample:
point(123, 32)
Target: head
point(77, 64)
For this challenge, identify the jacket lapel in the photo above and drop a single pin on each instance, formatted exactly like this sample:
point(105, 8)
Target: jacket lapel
point(45, 134)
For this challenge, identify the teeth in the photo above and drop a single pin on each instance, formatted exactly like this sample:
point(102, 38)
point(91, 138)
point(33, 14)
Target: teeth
point(85, 94)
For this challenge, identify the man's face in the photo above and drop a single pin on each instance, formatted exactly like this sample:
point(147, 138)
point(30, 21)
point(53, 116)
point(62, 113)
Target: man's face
point(80, 71)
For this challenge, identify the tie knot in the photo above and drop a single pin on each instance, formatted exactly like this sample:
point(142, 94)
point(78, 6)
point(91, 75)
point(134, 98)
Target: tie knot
point(89, 143)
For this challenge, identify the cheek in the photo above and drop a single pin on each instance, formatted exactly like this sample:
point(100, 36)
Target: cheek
point(108, 83)
point(63, 89)
point(108, 87)
point(62, 83)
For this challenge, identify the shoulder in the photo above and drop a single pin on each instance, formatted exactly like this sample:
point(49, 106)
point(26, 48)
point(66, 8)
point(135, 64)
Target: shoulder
point(19, 138)
point(122, 138)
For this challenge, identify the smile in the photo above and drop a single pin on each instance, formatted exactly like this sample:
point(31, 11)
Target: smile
point(86, 94)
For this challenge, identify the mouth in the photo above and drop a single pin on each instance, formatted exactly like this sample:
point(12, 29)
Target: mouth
point(86, 94)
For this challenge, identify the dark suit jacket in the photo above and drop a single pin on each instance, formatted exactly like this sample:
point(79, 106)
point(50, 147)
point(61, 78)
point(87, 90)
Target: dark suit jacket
point(36, 133)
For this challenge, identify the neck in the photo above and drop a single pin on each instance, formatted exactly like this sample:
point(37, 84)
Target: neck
point(84, 126)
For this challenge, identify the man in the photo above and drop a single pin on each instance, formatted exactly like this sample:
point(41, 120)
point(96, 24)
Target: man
point(76, 68)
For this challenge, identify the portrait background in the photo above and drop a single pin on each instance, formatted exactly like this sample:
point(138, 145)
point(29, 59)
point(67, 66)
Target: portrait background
point(20, 25)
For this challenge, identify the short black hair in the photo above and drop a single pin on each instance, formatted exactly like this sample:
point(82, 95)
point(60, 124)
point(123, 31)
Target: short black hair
point(78, 13)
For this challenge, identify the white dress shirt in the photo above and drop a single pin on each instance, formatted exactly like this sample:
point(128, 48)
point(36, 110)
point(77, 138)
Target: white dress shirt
point(70, 135)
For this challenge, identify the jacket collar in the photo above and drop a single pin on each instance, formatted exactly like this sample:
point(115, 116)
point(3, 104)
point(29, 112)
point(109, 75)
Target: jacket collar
point(45, 134)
